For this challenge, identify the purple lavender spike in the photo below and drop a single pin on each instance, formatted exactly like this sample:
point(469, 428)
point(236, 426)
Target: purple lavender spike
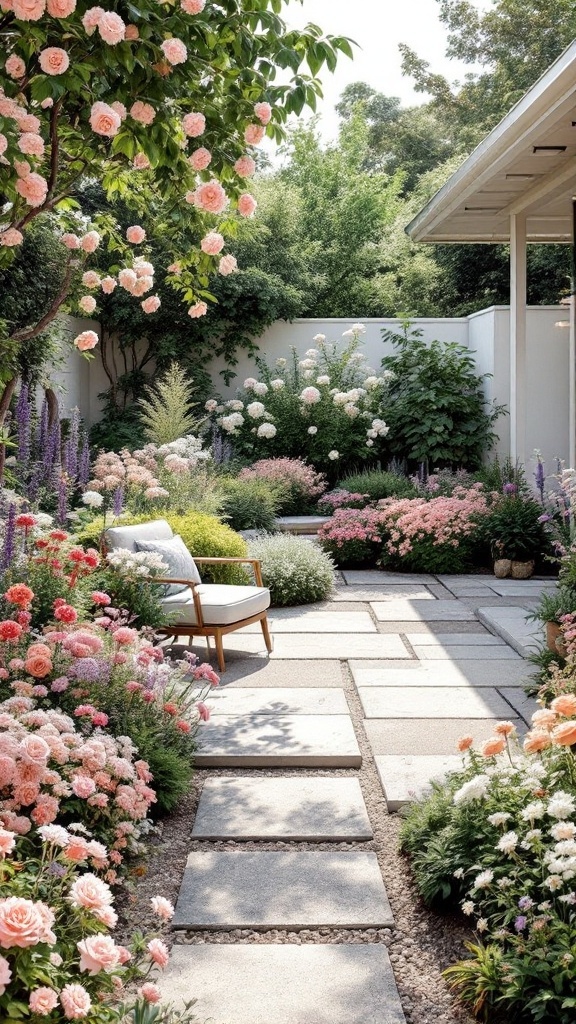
point(62, 501)
point(84, 462)
point(118, 501)
point(23, 414)
point(7, 553)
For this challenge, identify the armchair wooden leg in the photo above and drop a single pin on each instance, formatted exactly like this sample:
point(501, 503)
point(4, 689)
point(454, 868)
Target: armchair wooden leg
point(219, 650)
point(266, 634)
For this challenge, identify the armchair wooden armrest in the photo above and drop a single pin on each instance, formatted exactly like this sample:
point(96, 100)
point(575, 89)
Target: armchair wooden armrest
point(187, 583)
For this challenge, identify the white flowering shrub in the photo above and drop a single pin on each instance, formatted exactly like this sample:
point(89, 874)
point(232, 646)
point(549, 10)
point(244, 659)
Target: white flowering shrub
point(326, 408)
point(295, 570)
point(498, 838)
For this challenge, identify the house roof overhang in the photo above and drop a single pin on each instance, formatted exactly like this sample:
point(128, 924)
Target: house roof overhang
point(526, 165)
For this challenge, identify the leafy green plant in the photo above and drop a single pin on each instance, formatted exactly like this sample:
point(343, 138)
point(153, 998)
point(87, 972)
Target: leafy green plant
point(296, 570)
point(165, 411)
point(250, 504)
point(436, 410)
point(297, 485)
point(513, 529)
point(497, 475)
point(377, 483)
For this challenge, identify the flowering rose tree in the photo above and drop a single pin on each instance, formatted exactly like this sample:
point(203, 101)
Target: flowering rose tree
point(164, 99)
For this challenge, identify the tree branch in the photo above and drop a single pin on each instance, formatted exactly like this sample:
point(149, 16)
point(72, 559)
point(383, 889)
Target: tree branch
point(27, 333)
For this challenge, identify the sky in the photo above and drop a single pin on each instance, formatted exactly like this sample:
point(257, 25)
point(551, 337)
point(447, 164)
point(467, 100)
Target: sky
point(378, 26)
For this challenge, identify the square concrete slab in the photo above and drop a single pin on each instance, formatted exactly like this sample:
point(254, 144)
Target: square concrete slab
point(433, 702)
point(342, 645)
point(427, 735)
point(300, 620)
point(284, 984)
point(461, 653)
point(263, 672)
point(511, 624)
point(483, 639)
point(377, 577)
point(295, 889)
point(421, 611)
point(448, 673)
point(312, 808)
point(523, 705)
point(406, 778)
point(279, 741)
point(278, 701)
point(384, 593)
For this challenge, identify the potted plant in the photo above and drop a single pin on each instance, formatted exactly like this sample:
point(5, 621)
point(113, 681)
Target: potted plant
point(516, 536)
point(549, 612)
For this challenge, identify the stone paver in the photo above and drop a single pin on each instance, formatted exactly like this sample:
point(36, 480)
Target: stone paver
point(272, 741)
point(483, 639)
point(383, 593)
point(426, 735)
point(285, 984)
point(326, 645)
point(421, 611)
point(475, 653)
point(284, 808)
point(377, 577)
point(511, 625)
point(449, 673)
point(521, 588)
point(263, 672)
point(278, 701)
point(407, 777)
point(432, 702)
point(298, 620)
point(523, 705)
point(301, 889)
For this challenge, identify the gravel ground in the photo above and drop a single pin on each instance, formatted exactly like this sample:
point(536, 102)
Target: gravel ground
point(420, 945)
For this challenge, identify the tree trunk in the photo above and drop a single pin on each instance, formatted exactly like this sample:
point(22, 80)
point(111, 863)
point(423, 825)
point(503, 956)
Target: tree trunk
point(9, 389)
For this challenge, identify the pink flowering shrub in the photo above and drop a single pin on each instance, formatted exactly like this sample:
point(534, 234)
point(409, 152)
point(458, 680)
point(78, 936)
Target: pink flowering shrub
point(353, 536)
point(59, 960)
point(340, 498)
point(301, 484)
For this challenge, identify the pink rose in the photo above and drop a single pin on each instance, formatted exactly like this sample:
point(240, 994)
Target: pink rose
point(193, 6)
point(143, 268)
point(98, 953)
point(35, 747)
point(246, 205)
point(11, 237)
point(28, 10)
point(87, 303)
point(27, 122)
point(212, 243)
point(7, 842)
point(194, 124)
point(131, 33)
point(70, 240)
point(42, 1001)
point(21, 923)
point(15, 66)
point(203, 711)
point(198, 309)
point(54, 61)
point(211, 196)
point(111, 28)
point(31, 144)
point(83, 786)
point(90, 241)
point(151, 304)
point(227, 265)
point(86, 340)
point(104, 120)
point(5, 974)
point(135, 234)
point(158, 951)
point(254, 134)
point(174, 51)
point(245, 166)
point(108, 285)
point(141, 162)
point(91, 19)
point(142, 112)
point(200, 159)
point(127, 279)
point(3, 143)
point(162, 907)
point(150, 992)
point(47, 103)
point(90, 892)
point(263, 112)
point(91, 279)
point(61, 8)
point(22, 168)
point(120, 109)
point(33, 189)
point(76, 1002)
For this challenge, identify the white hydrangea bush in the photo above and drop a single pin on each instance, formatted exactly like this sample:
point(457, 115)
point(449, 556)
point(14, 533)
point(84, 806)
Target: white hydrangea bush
point(327, 407)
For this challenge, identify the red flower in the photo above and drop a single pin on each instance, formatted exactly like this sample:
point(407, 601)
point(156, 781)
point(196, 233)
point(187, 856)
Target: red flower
point(100, 718)
point(171, 709)
point(66, 613)
point(58, 602)
point(76, 555)
point(99, 597)
point(92, 559)
point(19, 594)
point(26, 520)
point(58, 535)
point(42, 544)
point(183, 726)
point(10, 630)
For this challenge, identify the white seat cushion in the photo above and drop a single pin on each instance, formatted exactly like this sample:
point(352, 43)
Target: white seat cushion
point(126, 536)
point(222, 605)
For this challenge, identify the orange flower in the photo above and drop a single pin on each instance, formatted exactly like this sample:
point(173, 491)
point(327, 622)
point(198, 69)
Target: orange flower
point(19, 594)
point(465, 742)
point(38, 666)
point(495, 745)
point(504, 728)
point(536, 740)
point(565, 734)
point(565, 704)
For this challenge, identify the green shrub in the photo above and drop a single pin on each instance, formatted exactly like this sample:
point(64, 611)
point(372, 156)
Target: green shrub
point(513, 528)
point(172, 774)
point(377, 483)
point(250, 504)
point(297, 485)
point(296, 570)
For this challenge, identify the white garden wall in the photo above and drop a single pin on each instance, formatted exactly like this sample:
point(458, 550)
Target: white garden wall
point(486, 334)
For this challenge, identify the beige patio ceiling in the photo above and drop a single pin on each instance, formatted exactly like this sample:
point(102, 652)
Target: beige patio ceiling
point(526, 166)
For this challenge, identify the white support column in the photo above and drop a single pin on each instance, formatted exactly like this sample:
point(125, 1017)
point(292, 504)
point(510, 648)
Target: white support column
point(518, 336)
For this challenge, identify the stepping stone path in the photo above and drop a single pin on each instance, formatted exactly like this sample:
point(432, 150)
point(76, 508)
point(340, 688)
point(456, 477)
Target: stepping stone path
point(281, 828)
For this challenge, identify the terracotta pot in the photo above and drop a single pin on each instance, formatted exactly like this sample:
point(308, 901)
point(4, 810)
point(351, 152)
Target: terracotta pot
point(522, 570)
point(552, 635)
point(502, 568)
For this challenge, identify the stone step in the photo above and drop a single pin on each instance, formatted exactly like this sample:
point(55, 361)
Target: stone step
point(283, 984)
point(483, 639)
point(378, 577)
point(428, 735)
point(433, 702)
point(301, 524)
point(296, 889)
point(492, 652)
point(453, 673)
point(341, 645)
point(407, 777)
point(305, 620)
point(511, 625)
point(421, 611)
point(279, 741)
point(278, 701)
point(311, 808)
point(385, 592)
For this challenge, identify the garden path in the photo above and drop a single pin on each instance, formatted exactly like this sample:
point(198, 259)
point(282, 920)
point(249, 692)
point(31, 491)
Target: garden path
point(283, 915)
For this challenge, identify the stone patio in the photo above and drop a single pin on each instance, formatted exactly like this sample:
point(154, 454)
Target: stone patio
point(283, 839)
